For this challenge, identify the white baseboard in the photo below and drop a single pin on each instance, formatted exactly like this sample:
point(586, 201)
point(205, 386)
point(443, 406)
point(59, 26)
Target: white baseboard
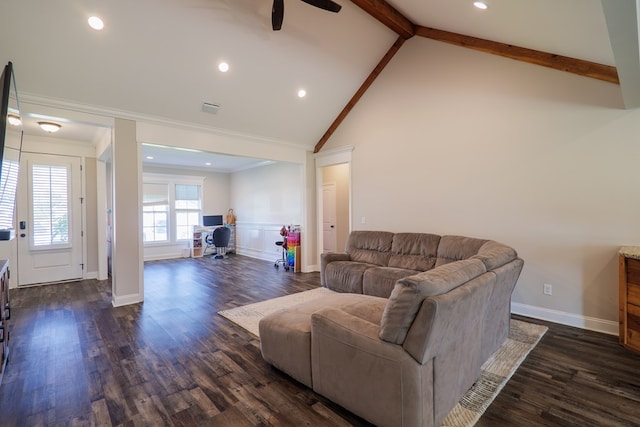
point(569, 319)
point(311, 268)
point(91, 275)
point(126, 300)
point(160, 257)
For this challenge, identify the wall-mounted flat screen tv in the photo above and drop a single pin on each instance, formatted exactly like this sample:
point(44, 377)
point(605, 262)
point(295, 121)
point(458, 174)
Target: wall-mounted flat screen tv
point(10, 147)
point(212, 220)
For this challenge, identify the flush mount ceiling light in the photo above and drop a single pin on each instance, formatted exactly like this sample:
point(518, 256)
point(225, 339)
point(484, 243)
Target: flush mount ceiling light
point(223, 67)
point(95, 23)
point(14, 120)
point(49, 126)
point(480, 5)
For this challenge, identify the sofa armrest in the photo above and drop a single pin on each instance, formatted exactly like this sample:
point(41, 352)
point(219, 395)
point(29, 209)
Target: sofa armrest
point(408, 294)
point(352, 324)
point(328, 257)
point(374, 379)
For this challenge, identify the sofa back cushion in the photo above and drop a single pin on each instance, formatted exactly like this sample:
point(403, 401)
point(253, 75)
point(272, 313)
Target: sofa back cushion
point(456, 248)
point(494, 254)
point(371, 247)
point(414, 251)
point(408, 294)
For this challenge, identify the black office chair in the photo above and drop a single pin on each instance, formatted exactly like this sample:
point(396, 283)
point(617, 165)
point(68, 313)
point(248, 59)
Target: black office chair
point(220, 240)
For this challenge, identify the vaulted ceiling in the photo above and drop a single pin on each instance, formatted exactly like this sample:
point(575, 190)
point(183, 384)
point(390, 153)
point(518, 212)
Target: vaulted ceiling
point(156, 60)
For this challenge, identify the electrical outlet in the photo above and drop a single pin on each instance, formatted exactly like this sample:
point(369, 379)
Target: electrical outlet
point(547, 289)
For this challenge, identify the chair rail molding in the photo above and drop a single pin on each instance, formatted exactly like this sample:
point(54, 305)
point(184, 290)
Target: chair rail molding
point(258, 240)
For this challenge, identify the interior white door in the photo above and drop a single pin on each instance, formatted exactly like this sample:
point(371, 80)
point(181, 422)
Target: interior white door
point(329, 236)
point(49, 211)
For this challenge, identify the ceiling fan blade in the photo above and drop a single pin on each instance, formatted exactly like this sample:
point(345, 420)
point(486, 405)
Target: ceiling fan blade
point(329, 5)
point(277, 14)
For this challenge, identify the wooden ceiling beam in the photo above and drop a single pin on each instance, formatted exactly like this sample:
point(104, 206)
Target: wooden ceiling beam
point(363, 88)
point(388, 15)
point(559, 62)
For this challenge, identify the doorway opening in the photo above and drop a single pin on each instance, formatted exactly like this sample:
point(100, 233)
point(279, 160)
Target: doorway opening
point(333, 178)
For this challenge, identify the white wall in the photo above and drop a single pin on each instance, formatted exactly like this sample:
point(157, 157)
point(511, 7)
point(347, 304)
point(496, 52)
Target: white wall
point(264, 199)
point(453, 141)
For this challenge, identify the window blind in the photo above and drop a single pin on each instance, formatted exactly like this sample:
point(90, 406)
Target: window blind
point(10, 170)
point(155, 194)
point(50, 198)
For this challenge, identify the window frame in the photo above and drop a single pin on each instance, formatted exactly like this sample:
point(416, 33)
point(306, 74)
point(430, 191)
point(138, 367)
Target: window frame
point(171, 181)
point(162, 201)
point(197, 211)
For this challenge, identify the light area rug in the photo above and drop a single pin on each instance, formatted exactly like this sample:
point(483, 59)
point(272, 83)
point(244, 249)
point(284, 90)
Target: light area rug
point(496, 371)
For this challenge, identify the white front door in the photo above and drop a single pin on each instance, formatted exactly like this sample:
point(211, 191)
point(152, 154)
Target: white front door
point(329, 238)
point(49, 211)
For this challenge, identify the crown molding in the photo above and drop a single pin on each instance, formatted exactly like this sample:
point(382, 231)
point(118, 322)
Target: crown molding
point(104, 116)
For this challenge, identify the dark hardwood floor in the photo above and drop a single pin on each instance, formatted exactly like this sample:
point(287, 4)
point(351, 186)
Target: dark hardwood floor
point(172, 361)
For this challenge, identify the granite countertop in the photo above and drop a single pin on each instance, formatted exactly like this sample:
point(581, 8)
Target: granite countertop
point(630, 251)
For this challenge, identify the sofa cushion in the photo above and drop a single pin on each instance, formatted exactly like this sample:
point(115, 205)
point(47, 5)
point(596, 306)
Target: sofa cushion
point(379, 281)
point(408, 294)
point(414, 251)
point(327, 258)
point(285, 342)
point(371, 247)
point(494, 254)
point(285, 335)
point(345, 276)
point(456, 248)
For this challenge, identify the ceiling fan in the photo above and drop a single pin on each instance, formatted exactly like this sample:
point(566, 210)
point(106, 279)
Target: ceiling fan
point(277, 12)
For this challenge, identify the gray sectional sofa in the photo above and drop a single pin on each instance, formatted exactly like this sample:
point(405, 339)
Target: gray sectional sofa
point(412, 318)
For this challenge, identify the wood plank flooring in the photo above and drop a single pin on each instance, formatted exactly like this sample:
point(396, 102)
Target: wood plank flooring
point(172, 361)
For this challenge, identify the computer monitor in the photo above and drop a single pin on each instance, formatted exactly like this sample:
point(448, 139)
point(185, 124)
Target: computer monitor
point(212, 220)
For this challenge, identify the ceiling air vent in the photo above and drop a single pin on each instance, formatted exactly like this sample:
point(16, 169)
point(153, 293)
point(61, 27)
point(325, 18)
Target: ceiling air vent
point(209, 107)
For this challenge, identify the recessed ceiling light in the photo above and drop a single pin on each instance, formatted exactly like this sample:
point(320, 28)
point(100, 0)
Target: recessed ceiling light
point(302, 93)
point(49, 126)
point(95, 23)
point(480, 5)
point(149, 157)
point(208, 164)
point(223, 67)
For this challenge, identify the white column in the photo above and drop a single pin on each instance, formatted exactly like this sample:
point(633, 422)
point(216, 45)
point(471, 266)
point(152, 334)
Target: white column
point(127, 268)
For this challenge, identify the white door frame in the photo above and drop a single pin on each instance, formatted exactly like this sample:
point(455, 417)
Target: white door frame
point(323, 159)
